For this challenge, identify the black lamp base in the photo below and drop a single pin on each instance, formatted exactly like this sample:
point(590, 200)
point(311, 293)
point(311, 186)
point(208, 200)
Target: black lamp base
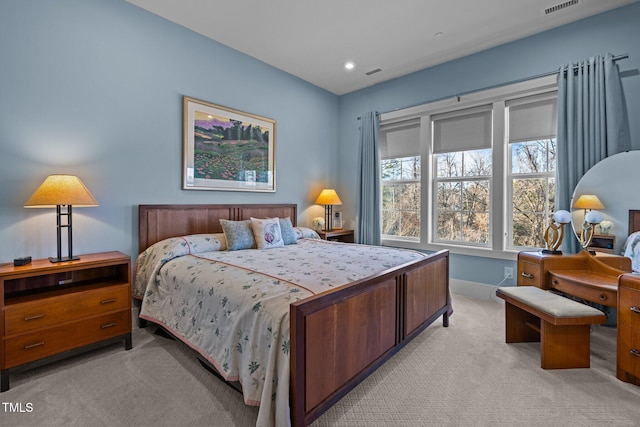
point(551, 252)
point(65, 259)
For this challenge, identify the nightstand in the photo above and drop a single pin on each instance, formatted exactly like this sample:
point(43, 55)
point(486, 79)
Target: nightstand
point(52, 311)
point(345, 236)
point(603, 243)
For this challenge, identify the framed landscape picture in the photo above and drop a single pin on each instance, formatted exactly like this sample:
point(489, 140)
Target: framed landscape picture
point(226, 149)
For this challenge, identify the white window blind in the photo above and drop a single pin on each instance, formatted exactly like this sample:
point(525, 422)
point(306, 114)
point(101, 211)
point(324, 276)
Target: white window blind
point(400, 139)
point(462, 130)
point(533, 117)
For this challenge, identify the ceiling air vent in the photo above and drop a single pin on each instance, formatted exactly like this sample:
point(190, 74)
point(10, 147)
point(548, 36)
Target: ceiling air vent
point(560, 6)
point(377, 70)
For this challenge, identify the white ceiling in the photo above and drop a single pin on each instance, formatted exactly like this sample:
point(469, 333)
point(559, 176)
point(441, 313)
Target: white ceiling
point(312, 39)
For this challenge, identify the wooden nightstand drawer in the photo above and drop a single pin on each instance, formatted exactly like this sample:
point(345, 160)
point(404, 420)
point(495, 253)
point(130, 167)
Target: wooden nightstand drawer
point(629, 307)
point(629, 351)
point(530, 274)
point(47, 342)
point(50, 311)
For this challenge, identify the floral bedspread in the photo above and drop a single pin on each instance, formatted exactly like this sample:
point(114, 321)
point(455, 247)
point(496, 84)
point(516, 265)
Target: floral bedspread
point(233, 306)
point(631, 249)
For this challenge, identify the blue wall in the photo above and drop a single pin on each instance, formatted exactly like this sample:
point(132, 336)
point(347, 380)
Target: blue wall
point(94, 88)
point(616, 32)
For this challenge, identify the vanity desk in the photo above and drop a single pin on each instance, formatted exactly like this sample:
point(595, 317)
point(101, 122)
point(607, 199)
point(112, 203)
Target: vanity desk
point(592, 278)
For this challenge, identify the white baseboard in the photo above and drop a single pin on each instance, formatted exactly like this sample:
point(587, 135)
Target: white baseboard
point(476, 290)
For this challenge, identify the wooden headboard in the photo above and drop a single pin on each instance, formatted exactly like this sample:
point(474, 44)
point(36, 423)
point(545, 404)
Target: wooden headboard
point(634, 221)
point(159, 222)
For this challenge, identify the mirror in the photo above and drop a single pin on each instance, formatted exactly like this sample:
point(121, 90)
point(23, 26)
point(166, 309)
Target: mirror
point(615, 181)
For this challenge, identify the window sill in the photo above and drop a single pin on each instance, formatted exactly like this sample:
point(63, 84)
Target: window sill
point(454, 249)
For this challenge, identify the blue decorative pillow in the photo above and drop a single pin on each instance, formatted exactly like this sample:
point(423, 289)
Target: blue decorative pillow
point(288, 235)
point(267, 233)
point(238, 234)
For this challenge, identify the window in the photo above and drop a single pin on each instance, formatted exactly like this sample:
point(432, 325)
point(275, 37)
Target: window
point(532, 164)
point(401, 176)
point(401, 197)
point(462, 176)
point(532, 180)
point(471, 174)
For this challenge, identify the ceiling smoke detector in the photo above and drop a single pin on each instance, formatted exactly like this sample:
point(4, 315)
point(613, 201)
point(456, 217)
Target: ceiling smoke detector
point(560, 6)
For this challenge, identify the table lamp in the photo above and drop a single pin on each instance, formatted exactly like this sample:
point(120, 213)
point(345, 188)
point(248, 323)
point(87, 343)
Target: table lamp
point(328, 197)
point(588, 202)
point(59, 191)
point(554, 233)
point(591, 219)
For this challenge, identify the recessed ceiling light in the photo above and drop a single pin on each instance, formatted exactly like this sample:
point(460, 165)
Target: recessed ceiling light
point(349, 65)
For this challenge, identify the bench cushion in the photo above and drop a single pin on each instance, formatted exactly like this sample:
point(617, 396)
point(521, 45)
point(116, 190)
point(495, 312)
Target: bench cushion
point(550, 303)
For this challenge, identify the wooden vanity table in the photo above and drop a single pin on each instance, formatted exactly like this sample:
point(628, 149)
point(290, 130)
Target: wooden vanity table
point(592, 278)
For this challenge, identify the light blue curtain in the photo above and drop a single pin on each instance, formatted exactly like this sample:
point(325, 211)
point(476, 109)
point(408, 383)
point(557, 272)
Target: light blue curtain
point(369, 180)
point(591, 124)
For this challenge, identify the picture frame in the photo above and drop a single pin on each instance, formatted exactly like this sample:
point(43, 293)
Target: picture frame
point(226, 149)
point(337, 220)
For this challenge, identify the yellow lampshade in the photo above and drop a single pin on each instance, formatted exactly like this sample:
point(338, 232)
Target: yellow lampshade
point(61, 190)
point(588, 201)
point(328, 196)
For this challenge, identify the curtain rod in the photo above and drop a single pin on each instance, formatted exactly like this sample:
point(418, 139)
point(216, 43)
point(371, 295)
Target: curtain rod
point(548, 73)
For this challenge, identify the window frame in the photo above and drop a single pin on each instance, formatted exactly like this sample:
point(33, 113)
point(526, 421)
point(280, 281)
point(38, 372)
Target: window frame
point(389, 183)
point(499, 209)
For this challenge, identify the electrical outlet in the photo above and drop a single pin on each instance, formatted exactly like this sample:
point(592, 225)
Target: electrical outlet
point(508, 272)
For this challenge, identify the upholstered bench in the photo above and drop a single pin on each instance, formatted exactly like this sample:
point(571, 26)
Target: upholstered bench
point(561, 325)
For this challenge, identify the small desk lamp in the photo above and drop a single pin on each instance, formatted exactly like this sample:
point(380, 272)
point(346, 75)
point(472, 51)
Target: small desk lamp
point(591, 218)
point(588, 202)
point(58, 191)
point(554, 233)
point(328, 197)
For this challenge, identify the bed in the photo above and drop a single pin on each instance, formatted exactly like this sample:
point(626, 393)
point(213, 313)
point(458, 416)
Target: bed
point(337, 336)
point(631, 246)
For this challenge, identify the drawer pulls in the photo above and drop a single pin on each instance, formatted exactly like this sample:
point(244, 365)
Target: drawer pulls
point(30, 346)
point(527, 275)
point(602, 297)
point(635, 352)
point(108, 325)
point(108, 301)
point(34, 317)
point(635, 309)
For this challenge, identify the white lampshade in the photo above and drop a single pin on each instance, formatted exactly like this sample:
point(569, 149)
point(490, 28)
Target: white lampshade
point(562, 217)
point(594, 217)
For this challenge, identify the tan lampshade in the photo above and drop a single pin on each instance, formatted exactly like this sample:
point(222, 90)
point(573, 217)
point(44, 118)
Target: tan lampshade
point(61, 190)
point(328, 196)
point(588, 201)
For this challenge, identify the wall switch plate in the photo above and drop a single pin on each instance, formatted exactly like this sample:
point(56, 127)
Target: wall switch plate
point(508, 272)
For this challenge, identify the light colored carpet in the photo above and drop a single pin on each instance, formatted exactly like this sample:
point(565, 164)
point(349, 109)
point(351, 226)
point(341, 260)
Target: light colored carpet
point(461, 375)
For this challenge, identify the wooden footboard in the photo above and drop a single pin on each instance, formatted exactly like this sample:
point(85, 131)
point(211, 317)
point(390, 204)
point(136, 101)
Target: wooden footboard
point(340, 337)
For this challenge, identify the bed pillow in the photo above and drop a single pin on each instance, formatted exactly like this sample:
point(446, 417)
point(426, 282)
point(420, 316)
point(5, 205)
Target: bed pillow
point(267, 233)
point(288, 235)
point(631, 249)
point(199, 243)
point(304, 232)
point(238, 234)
